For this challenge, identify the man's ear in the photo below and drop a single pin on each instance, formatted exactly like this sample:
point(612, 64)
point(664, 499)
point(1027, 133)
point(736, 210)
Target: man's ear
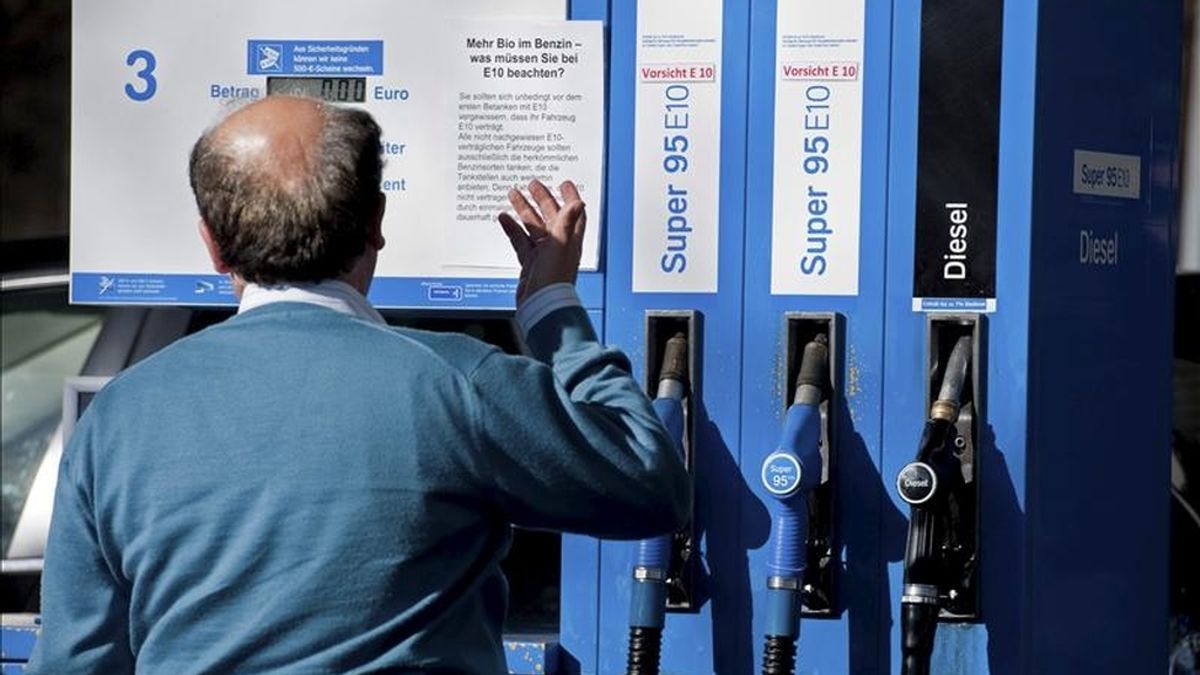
point(375, 237)
point(214, 252)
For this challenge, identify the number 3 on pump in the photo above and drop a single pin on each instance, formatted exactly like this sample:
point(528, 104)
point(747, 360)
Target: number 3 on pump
point(147, 62)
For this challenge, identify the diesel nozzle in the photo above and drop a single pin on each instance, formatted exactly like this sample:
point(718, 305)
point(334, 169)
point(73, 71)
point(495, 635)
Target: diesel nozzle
point(648, 604)
point(789, 474)
point(927, 485)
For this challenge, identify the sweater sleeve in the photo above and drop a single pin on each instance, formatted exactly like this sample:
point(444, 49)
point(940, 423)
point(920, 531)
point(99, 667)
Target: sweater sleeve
point(572, 442)
point(85, 610)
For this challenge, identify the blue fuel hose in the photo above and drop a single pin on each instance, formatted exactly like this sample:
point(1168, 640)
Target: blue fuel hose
point(789, 474)
point(648, 601)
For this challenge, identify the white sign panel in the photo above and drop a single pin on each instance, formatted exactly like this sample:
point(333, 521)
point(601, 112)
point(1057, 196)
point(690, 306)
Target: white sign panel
point(818, 147)
point(471, 101)
point(1105, 174)
point(677, 160)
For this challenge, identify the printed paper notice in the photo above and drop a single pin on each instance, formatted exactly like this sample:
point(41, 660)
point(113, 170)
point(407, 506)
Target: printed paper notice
point(529, 104)
point(818, 148)
point(677, 160)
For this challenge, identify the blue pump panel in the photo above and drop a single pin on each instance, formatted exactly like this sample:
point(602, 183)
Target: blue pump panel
point(525, 654)
point(702, 638)
point(18, 635)
point(849, 640)
point(531, 655)
point(1075, 370)
point(580, 566)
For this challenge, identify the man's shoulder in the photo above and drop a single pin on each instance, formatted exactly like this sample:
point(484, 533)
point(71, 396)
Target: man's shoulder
point(309, 334)
point(461, 352)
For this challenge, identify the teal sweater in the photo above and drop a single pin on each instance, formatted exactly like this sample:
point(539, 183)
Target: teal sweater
point(299, 491)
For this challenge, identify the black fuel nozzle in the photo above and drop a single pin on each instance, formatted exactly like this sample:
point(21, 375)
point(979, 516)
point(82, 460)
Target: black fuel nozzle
point(935, 472)
point(925, 485)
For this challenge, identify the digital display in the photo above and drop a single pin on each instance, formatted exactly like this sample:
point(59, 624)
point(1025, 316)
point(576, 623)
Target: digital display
point(332, 89)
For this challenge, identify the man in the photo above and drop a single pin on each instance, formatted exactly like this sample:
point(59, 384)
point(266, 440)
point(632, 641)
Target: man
point(302, 489)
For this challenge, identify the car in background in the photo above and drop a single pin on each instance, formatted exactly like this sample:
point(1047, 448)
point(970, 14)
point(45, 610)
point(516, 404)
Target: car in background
point(44, 340)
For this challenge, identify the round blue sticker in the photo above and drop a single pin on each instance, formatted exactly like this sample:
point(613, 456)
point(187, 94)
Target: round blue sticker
point(781, 473)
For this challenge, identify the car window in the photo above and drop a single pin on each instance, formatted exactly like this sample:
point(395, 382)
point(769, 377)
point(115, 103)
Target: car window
point(42, 341)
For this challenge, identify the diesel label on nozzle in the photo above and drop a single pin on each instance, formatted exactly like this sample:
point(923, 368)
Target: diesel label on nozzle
point(916, 483)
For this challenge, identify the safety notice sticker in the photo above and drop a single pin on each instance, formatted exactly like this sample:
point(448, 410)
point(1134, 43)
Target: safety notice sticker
point(314, 57)
point(818, 148)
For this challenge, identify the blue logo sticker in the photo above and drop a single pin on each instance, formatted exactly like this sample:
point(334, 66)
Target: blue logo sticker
point(270, 58)
point(781, 474)
point(314, 57)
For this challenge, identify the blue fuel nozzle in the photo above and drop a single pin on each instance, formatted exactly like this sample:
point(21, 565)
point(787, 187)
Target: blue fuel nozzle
point(789, 474)
point(648, 601)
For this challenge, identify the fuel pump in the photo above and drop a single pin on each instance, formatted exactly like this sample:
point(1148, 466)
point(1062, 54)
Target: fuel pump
point(789, 474)
point(933, 485)
point(648, 602)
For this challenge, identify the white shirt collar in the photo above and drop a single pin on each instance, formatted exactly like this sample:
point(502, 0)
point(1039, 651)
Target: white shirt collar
point(336, 295)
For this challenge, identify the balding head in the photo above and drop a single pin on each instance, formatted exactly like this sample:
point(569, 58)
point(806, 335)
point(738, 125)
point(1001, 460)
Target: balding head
point(277, 136)
point(289, 188)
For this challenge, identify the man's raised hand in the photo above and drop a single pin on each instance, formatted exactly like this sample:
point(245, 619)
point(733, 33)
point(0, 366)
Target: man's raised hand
point(548, 239)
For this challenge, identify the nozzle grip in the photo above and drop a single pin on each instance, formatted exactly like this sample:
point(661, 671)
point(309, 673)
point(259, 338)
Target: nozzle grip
point(675, 360)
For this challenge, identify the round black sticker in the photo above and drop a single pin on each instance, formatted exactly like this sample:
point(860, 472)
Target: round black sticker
point(916, 483)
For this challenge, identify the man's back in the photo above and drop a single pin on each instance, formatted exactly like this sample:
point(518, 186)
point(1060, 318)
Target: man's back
point(297, 490)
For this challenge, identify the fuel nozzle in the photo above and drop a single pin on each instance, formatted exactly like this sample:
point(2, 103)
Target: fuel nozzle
point(648, 604)
point(789, 475)
point(925, 484)
point(813, 377)
point(673, 375)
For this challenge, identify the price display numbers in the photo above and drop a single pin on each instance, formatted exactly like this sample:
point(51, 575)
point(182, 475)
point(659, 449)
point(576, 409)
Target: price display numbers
point(332, 89)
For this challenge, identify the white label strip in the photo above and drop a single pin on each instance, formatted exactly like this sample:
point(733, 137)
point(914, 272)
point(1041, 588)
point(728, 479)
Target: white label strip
point(818, 148)
point(677, 160)
point(1108, 175)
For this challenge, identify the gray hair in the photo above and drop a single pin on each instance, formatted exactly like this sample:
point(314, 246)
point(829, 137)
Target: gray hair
point(269, 230)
